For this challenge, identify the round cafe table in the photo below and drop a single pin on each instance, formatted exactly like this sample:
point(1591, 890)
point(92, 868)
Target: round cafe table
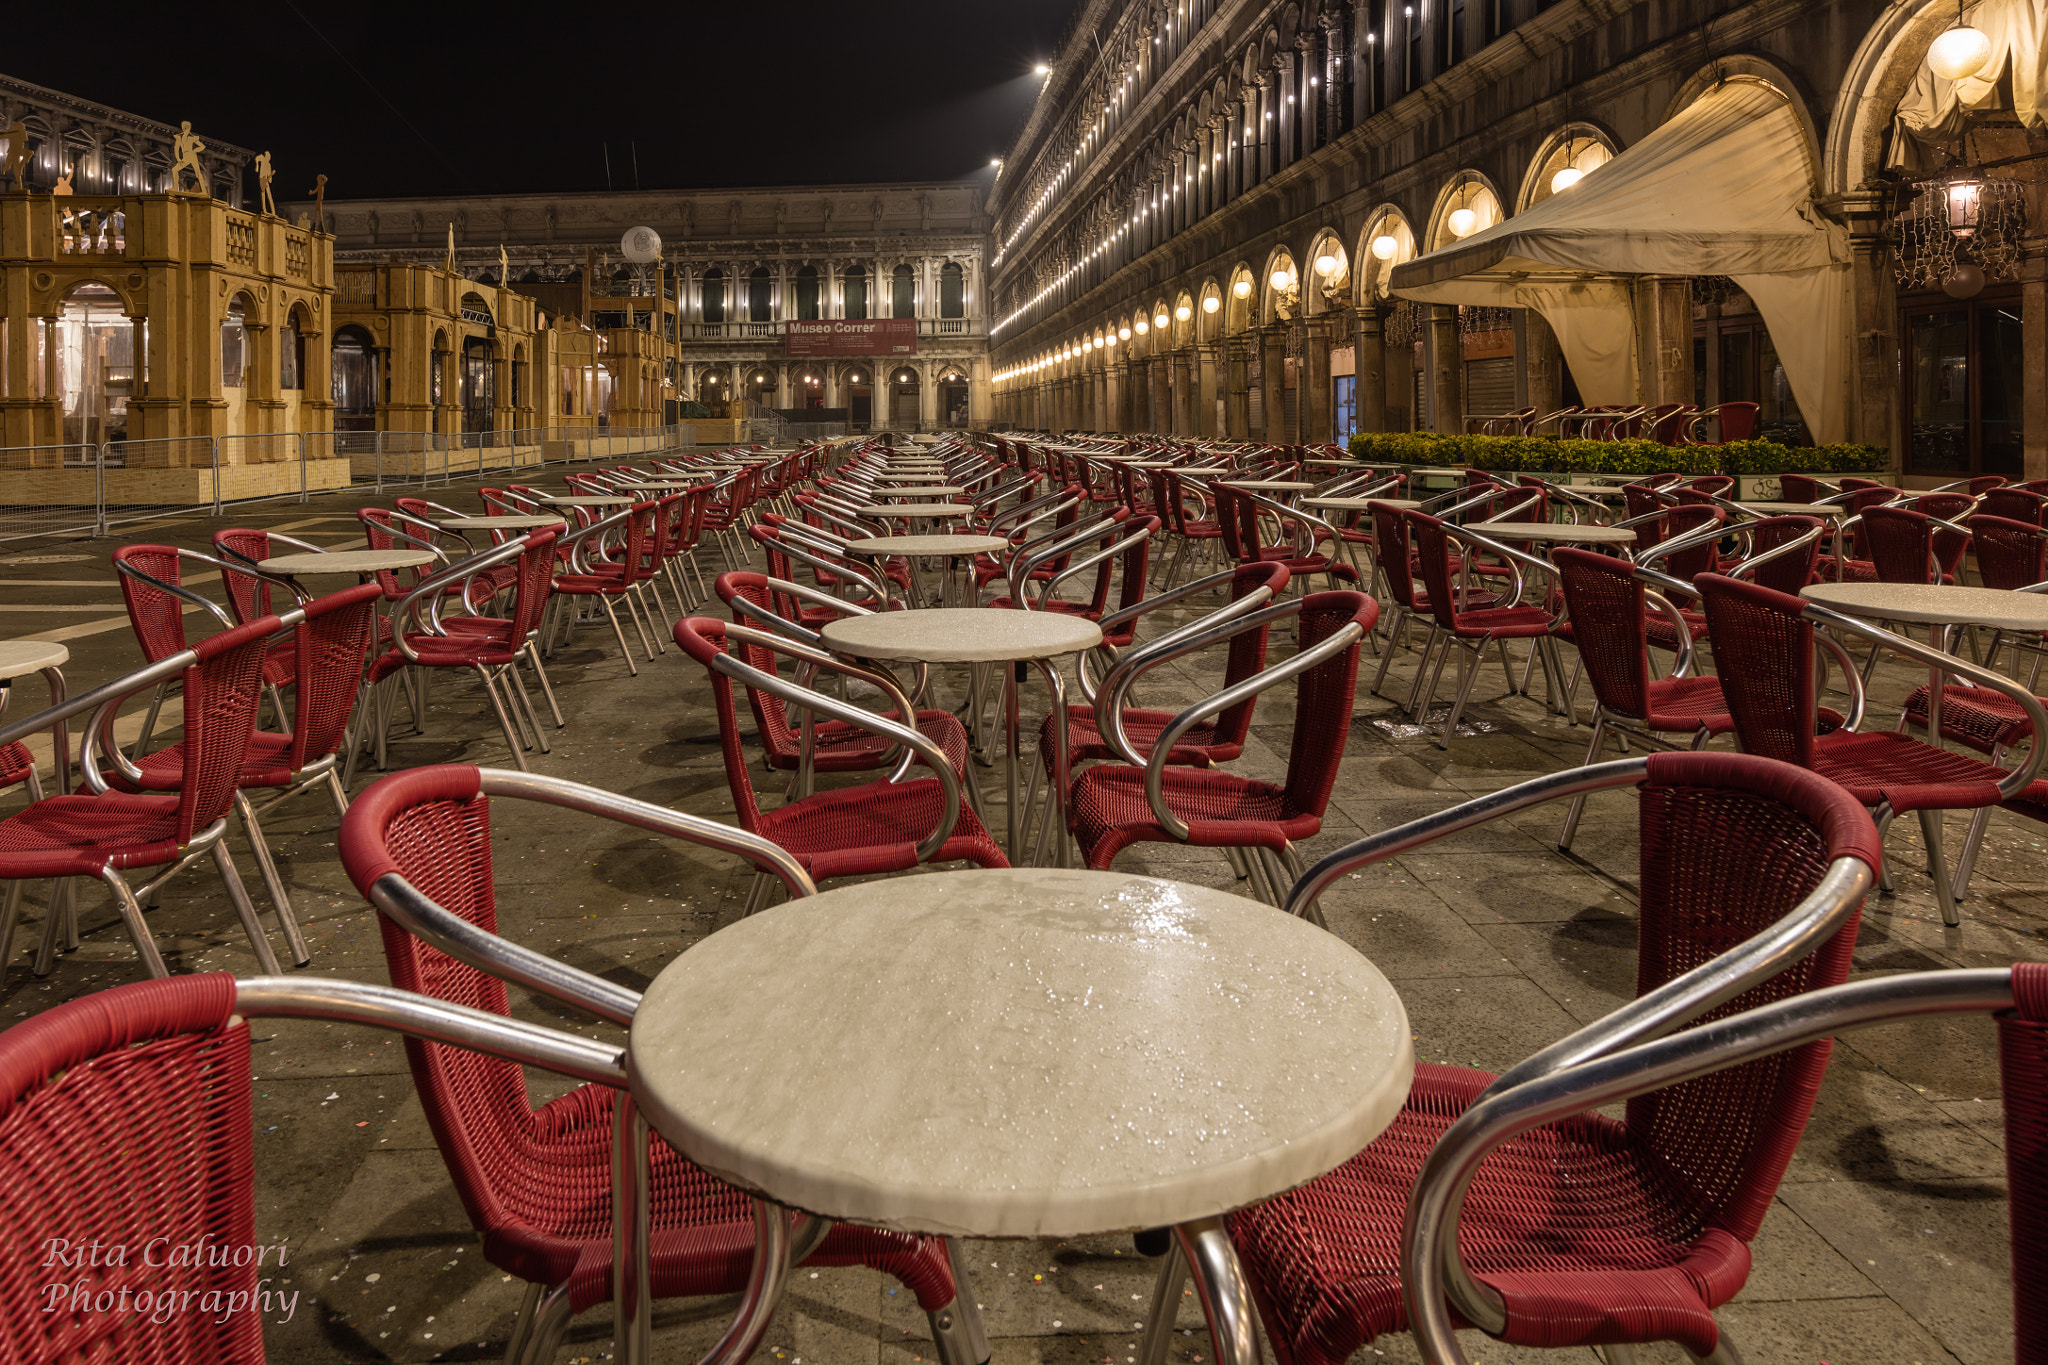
point(1066, 1054)
point(1270, 485)
point(590, 502)
point(953, 549)
point(1554, 533)
point(916, 511)
point(364, 564)
point(978, 635)
point(1358, 504)
point(509, 523)
point(1203, 471)
point(926, 492)
point(1797, 509)
point(18, 659)
point(1935, 604)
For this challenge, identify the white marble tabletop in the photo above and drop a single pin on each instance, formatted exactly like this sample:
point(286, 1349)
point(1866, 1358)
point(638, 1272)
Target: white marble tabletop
point(19, 658)
point(1591, 490)
point(926, 491)
point(926, 545)
point(1798, 509)
point(497, 523)
point(928, 511)
point(1203, 471)
point(1555, 532)
point(1934, 604)
point(1439, 473)
point(965, 635)
point(1358, 504)
point(1064, 1053)
point(590, 502)
point(1151, 464)
point(1271, 485)
point(347, 561)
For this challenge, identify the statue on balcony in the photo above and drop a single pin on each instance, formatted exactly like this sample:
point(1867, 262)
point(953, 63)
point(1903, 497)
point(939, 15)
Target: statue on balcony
point(63, 185)
point(320, 202)
point(185, 150)
point(15, 168)
point(263, 175)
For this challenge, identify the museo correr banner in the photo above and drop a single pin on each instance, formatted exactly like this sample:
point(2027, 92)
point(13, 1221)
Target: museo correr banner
point(865, 336)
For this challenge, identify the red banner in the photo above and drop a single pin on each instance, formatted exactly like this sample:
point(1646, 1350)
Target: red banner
point(865, 336)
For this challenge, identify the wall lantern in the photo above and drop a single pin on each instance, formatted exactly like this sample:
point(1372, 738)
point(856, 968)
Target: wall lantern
point(1965, 205)
point(1123, 333)
point(1386, 247)
point(1463, 222)
point(1326, 264)
point(1211, 304)
point(1183, 312)
point(1160, 320)
point(1282, 278)
point(1141, 326)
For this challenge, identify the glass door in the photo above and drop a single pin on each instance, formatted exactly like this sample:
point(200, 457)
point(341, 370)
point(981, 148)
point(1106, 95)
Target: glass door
point(1961, 388)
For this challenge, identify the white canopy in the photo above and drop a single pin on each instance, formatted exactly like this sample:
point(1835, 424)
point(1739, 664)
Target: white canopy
point(1724, 188)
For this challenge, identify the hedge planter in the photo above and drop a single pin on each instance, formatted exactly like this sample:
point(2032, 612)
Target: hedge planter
point(1756, 463)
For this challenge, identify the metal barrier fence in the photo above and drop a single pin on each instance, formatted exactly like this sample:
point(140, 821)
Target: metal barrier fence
point(83, 490)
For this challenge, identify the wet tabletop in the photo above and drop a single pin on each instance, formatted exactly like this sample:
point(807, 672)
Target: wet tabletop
point(1064, 1052)
point(1934, 604)
point(1555, 533)
point(497, 523)
point(961, 635)
point(347, 561)
point(938, 511)
point(927, 545)
point(1358, 504)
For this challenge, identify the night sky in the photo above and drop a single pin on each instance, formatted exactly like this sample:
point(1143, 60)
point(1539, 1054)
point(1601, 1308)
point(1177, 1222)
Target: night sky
point(433, 97)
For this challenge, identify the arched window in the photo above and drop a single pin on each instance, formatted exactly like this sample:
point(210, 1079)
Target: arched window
point(902, 293)
point(234, 344)
point(853, 286)
point(759, 292)
point(714, 295)
point(807, 292)
point(95, 365)
point(353, 365)
point(952, 291)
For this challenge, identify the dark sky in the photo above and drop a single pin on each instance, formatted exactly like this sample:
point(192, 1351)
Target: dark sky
point(434, 97)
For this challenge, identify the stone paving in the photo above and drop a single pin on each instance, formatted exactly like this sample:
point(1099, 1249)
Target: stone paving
point(1887, 1242)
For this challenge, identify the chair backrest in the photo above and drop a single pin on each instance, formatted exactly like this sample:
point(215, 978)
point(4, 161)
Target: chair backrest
point(222, 690)
point(329, 646)
point(1711, 483)
point(534, 584)
point(377, 532)
point(1323, 695)
point(1901, 544)
point(1683, 520)
point(1794, 571)
point(1393, 553)
point(248, 597)
point(2009, 553)
point(1729, 844)
point(125, 1117)
point(2023, 1088)
point(1763, 651)
point(1800, 488)
point(1641, 499)
point(1853, 484)
point(771, 715)
point(1984, 483)
point(2014, 504)
point(1433, 554)
point(156, 617)
point(1738, 420)
point(703, 639)
point(1607, 603)
point(1133, 565)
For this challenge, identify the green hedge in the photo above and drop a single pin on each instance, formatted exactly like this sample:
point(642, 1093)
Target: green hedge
point(1547, 454)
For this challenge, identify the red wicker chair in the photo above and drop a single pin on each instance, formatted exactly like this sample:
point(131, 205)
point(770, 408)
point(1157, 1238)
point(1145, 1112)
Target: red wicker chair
point(327, 645)
point(2014, 504)
point(536, 1182)
point(1238, 512)
point(1590, 1230)
point(1764, 642)
point(105, 833)
point(1908, 546)
point(605, 581)
point(850, 831)
point(1464, 628)
point(836, 747)
point(1144, 799)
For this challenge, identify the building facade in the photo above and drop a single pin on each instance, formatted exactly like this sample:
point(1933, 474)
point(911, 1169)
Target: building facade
point(101, 150)
point(1219, 215)
point(736, 312)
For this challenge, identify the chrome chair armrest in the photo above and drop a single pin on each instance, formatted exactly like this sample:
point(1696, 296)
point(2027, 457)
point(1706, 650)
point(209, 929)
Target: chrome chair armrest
point(1233, 618)
point(183, 594)
point(1434, 1280)
point(407, 608)
point(1052, 587)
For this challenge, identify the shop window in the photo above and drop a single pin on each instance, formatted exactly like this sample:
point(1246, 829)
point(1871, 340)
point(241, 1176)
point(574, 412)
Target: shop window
point(1964, 412)
point(807, 293)
point(902, 293)
point(1346, 404)
point(853, 286)
point(952, 291)
point(234, 344)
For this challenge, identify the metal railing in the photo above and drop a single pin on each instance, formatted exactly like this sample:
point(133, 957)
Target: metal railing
point(83, 490)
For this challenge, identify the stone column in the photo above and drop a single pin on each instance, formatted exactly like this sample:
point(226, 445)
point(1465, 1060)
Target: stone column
point(1370, 349)
point(1318, 417)
point(1237, 403)
point(1874, 414)
point(1264, 129)
point(1207, 361)
point(1273, 378)
point(1336, 75)
point(1161, 419)
point(1284, 108)
point(1542, 364)
point(1447, 367)
point(928, 396)
point(1183, 394)
point(1674, 340)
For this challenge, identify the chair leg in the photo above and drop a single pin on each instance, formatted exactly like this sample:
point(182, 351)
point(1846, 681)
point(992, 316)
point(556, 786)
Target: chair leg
point(522, 1326)
point(1937, 866)
point(1724, 1353)
point(1419, 696)
point(1571, 816)
point(517, 684)
point(966, 1305)
point(62, 920)
point(156, 702)
point(10, 912)
point(613, 617)
point(1972, 842)
point(245, 909)
point(267, 865)
point(504, 722)
point(758, 894)
point(138, 931)
point(551, 1324)
point(547, 687)
point(1387, 657)
point(1466, 677)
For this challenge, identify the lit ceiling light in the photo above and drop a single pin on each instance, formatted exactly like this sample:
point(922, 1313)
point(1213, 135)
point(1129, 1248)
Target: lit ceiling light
point(1243, 289)
point(1960, 52)
point(1123, 334)
point(1141, 326)
point(1565, 179)
point(1385, 247)
point(1326, 264)
point(1282, 278)
point(1211, 304)
point(1160, 320)
point(1183, 312)
point(1965, 205)
point(1041, 70)
point(1463, 222)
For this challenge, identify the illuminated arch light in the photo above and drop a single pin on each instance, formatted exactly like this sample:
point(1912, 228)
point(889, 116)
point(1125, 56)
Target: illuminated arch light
point(1385, 247)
